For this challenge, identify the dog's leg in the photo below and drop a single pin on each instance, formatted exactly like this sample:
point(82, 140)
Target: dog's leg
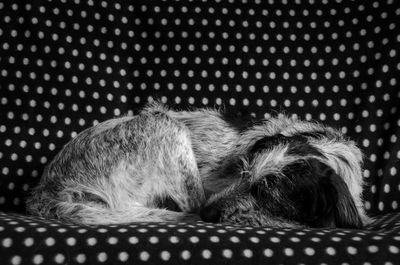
point(178, 166)
point(97, 213)
point(122, 171)
point(243, 210)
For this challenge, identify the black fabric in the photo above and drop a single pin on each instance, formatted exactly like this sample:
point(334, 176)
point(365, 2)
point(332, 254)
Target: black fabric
point(66, 65)
point(31, 240)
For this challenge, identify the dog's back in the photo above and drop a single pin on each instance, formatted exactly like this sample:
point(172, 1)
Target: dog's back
point(119, 171)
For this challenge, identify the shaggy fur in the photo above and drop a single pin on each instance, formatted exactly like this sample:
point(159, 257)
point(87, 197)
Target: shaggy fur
point(166, 165)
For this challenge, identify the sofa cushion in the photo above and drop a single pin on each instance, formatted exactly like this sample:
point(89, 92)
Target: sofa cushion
point(33, 240)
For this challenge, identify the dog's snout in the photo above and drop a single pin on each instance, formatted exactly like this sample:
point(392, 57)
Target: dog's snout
point(210, 214)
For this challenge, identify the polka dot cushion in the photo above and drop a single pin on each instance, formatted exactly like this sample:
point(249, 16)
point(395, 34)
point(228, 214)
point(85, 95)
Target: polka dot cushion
point(66, 65)
point(28, 240)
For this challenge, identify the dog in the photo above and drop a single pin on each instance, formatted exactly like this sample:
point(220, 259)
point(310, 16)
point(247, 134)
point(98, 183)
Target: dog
point(166, 165)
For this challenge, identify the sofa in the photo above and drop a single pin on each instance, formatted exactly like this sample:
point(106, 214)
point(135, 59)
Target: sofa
point(67, 65)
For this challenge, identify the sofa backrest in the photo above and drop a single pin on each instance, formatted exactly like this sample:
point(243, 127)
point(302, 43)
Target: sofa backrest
point(66, 65)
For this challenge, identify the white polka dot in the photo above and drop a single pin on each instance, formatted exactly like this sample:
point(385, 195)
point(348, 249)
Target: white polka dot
point(7, 242)
point(234, 239)
point(102, 257)
point(275, 240)
point(29, 242)
point(112, 240)
point(59, 258)
point(295, 239)
point(174, 239)
point(268, 252)
point(206, 254)
point(373, 249)
point(254, 239)
point(247, 253)
point(194, 239)
point(16, 260)
point(185, 255)
point(165, 255)
point(227, 253)
point(153, 240)
point(386, 188)
point(381, 206)
point(309, 251)
point(91, 241)
point(37, 259)
point(394, 250)
point(214, 239)
point(351, 250)
point(144, 256)
point(71, 241)
point(288, 252)
point(123, 256)
point(331, 251)
point(80, 258)
point(133, 240)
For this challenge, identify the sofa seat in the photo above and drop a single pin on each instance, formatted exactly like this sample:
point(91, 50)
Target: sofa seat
point(33, 240)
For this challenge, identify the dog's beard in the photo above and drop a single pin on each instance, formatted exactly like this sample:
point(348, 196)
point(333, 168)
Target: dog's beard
point(292, 180)
point(306, 192)
point(310, 193)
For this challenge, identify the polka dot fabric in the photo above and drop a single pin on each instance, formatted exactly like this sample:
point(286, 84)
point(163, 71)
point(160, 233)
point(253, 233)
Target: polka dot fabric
point(66, 65)
point(35, 241)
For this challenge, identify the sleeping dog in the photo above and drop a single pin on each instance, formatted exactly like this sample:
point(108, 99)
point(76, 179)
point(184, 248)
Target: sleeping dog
point(167, 165)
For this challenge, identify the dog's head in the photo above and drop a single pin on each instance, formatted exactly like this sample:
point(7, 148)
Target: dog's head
point(294, 171)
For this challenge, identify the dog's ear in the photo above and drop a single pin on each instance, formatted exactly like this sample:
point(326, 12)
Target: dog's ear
point(314, 193)
point(346, 213)
point(344, 210)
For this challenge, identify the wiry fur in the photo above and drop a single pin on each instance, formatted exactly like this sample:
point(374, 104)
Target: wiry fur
point(119, 171)
point(143, 168)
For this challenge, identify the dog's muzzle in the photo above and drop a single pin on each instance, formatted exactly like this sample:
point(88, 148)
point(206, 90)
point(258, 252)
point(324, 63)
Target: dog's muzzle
point(309, 193)
point(319, 196)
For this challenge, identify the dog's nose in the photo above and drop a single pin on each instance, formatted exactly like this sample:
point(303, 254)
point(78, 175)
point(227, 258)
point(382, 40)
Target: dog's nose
point(210, 214)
